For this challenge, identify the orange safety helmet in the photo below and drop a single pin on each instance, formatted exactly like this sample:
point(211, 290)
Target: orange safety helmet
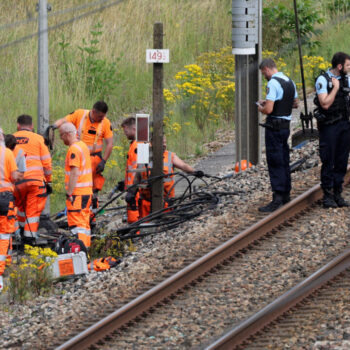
point(243, 165)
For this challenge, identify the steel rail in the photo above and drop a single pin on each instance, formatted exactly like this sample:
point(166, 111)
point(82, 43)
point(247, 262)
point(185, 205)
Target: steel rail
point(285, 302)
point(190, 273)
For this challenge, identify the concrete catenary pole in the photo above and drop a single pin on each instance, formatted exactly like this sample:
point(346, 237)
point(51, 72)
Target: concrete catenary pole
point(158, 114)
point(43, 69)
point(43, 76)
point(246, 46)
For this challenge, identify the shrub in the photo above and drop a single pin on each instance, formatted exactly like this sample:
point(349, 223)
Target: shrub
point(32, 276)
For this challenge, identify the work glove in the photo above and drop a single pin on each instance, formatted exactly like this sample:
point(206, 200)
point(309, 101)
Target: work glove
point(198, 173)
point(100, 166)
point(130, 199)
point(48, 188)
point(120, 186)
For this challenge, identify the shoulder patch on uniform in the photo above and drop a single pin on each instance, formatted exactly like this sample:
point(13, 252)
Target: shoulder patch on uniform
point(319, 86)
point(267, 90)
point(72, 156)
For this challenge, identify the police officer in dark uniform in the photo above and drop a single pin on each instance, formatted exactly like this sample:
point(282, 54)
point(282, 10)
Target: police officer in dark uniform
point(281, 97)
point(332, 114)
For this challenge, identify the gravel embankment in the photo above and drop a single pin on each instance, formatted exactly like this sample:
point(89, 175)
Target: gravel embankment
point(46, 318)
point(241, 288)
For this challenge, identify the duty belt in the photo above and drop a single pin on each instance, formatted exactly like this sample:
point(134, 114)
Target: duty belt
point(275, 124)
point(99, 153)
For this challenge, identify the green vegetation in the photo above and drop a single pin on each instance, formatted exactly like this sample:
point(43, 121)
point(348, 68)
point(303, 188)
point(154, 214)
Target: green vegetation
point(32, 275)
point(102, 56)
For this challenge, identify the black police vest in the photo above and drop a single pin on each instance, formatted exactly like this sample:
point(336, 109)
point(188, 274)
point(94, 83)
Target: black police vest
point(284, 106)
point(340, 105)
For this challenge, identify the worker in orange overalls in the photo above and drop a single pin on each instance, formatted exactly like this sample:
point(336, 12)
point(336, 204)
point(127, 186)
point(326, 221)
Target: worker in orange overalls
point(8, 175)
point(78, 183)
point(129, 128)
point(170, 161)
point(93, 127)
point(31, 192)
point(10, 143)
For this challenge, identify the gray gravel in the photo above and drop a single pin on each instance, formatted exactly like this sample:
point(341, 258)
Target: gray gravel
point(32, 325)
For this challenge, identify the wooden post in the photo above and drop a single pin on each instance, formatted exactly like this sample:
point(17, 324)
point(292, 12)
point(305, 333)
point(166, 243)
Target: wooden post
point(158, 113)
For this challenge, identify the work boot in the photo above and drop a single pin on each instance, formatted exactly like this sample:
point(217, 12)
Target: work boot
point(277, 202)
point(285, 197)
point(341, 202)
point(328, 199)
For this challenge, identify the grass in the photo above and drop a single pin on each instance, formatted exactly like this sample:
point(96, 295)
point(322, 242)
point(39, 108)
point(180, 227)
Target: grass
point(190, 28)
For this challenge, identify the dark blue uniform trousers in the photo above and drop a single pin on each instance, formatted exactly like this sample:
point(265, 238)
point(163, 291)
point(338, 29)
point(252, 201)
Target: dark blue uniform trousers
point(334, 153)
point(277, 156)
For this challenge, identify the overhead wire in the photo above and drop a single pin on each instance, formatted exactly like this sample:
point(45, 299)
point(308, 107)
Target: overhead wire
point(52, 14)
point(56, 26)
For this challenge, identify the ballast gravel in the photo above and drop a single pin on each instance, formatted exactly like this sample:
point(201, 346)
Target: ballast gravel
point(46, 320)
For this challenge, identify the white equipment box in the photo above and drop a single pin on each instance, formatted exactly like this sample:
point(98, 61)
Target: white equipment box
point(70, 264)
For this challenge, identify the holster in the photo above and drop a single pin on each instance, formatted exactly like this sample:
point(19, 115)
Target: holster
point(275, 124)
point(5, 199)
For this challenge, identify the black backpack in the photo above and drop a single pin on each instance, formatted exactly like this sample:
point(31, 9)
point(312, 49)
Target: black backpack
point(65, 245)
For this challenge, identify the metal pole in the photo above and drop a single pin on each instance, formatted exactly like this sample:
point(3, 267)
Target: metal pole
point(43, 69)
point(247, 49)
point(158, 113)
point(301, 60)
point(43, 76)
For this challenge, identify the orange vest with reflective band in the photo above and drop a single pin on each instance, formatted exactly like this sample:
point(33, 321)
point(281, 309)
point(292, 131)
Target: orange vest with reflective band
point(91, 133)
point(78, 155)
point(131, 163)
point(168, 168)
point(168, 182)
point(38, 158)
point(7, 166)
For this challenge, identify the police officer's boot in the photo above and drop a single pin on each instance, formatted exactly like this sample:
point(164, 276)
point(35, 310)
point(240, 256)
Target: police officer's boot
point(285, 197)
point(328, 199)
point(277, 202)
point(341, 202)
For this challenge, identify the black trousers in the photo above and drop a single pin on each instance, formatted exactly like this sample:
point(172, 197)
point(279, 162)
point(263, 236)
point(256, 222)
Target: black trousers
point(277, 156)
point(334, 153)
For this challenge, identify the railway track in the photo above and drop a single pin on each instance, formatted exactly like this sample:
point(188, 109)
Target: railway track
point(217, 275)
point(301, 316)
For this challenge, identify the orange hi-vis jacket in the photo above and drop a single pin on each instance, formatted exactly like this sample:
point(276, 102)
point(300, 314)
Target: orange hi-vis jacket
point(131, 164)
point(38, 158)
point(7, 214)
point(91, 133)
point(78, 155)
point(168, 182)
point(7, 167)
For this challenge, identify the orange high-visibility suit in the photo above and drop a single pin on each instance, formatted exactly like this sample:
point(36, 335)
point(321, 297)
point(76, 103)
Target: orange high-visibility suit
point(92, 134)
point(131, 164)
point(7, 167)
point(30, 192)
point(78, 210)
point(168, 183)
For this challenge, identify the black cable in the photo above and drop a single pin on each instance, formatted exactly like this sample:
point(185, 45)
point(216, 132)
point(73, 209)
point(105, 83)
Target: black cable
point(171, 217)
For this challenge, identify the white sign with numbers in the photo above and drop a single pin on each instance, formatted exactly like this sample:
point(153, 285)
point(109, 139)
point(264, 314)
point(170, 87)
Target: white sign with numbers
point(157, 56)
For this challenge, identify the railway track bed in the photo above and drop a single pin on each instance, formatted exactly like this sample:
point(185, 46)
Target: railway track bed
point(230, 292)
point(45, 320)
